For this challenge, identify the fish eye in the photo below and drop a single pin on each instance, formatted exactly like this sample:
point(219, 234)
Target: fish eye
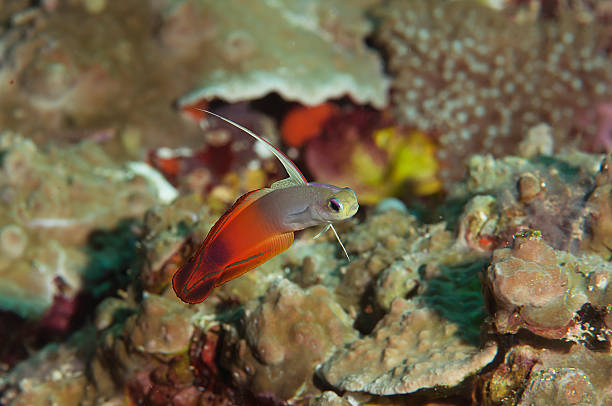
point(335, 205)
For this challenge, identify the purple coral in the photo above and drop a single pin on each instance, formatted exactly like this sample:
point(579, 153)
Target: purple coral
point(481, 79)
point(604, 126)
point(548, 292)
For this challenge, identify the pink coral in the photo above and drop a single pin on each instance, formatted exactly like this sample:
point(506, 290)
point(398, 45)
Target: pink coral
point(604, 126)
point(551, 293)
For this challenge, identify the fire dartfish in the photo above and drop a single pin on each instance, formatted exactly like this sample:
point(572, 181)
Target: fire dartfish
point(260, 225)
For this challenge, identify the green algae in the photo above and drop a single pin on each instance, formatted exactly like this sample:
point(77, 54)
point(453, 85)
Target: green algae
point(114, 258)
point(456, 294)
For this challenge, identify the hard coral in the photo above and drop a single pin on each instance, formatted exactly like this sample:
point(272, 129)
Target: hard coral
point(51, 201)
point(545, 291)
point(410, 349)
point(534, 376)
point(479, 78)
point(52, 82)
point(305, 51)
point(288, 334)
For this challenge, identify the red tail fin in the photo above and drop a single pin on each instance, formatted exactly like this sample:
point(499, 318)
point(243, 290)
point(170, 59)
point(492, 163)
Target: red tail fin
point(192, 283)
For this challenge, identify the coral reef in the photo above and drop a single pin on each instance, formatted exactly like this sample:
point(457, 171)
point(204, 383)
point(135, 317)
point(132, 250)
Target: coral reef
point(552, 195)
point(544, 291)
point(287, 335)
point(53, 84)
point(410, 349)
point(379, 159)
point(51, 202)
point(305, 51)
point(491, 290)
point(404, 321)
point(479, 77)
point(528, 375)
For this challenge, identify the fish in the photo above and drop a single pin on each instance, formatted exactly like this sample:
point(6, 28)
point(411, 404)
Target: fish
point(260, 225)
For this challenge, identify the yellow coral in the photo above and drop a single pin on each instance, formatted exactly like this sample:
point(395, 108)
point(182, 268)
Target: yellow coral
point(371, 173)
point(412, 158)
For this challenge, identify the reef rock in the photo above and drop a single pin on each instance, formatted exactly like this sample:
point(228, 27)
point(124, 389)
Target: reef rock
point(410, 349)
point(546, 376)
point(599, 218)
point(288, 334)
point(549, 292)
point(51, 200)
point(479, 76)
point(554, 195)
point(56, 375)
point(307, 51)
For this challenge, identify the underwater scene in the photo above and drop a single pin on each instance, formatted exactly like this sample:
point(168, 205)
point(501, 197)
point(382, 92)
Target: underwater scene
point(305, 202)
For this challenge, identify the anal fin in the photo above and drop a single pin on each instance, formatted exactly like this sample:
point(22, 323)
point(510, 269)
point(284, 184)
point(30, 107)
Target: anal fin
point(260, 253)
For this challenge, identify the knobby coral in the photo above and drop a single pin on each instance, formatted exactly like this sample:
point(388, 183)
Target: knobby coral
point(480, 78)
point(51, 200)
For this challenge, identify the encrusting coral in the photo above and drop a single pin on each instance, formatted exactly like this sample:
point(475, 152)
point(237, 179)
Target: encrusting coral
point(257, 48)
point(544, 290)
point(51, 201)
point(566, 376)
point(287, 335)
point(410, 349)
point(479, 77)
